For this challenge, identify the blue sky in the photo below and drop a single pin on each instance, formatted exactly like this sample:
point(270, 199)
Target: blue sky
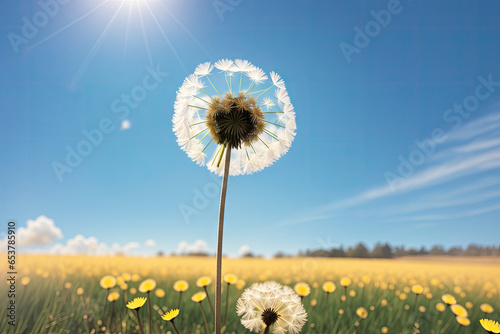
point(395, 96)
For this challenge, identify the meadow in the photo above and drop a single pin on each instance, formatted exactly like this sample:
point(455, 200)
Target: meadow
point(64, 294)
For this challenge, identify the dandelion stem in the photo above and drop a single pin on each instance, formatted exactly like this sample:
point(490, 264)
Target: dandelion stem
point(150, 327)
point(175, 327)
point(227, 303)
point(180, 300)
point(209, 301)
point(141, 329)
point(266, 330)
point(218, 282)
point(204, 318)
point(105, 304)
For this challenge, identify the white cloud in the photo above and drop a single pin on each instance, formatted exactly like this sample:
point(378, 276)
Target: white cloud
point(244, 250)
point(90, 246)
point(40, 231)
point(198, 246)
point(150, 243)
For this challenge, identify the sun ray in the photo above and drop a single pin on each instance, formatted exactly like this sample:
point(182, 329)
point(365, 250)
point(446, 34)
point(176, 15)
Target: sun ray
point(186, 30)
point(66, 27)
point(81, 71)
point(127, 28)
point(166, 38)
point(145, 37)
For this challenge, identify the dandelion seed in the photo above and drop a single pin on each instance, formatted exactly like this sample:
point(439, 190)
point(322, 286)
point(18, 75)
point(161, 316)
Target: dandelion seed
point(269, 304)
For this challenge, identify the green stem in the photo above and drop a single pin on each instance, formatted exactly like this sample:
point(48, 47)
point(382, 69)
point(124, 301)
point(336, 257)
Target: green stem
point(150, 327)
point(141, 329)
point(180, 300)
point(204, 318)
point(218, 283)
point(175, 327)
point(209, 301)
point(227, 303)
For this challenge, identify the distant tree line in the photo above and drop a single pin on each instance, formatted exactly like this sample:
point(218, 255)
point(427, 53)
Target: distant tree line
point(385, 251)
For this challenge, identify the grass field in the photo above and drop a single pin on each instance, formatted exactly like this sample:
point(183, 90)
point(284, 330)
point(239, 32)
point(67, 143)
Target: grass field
point(64, 294)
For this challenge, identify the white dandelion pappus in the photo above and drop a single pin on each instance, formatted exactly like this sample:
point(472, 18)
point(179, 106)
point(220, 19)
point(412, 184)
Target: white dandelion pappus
point(272, 305)
point(224, 65)
point(204, 69)
point(258, 124)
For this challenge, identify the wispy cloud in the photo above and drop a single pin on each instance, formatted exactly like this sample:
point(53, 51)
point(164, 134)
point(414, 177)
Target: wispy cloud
point(467, 159)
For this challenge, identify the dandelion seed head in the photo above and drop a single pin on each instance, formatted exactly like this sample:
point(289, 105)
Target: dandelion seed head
point(258, 124)
point(269, 303)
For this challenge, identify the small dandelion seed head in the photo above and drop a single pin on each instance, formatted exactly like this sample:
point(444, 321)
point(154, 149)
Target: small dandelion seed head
point(265, 304)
